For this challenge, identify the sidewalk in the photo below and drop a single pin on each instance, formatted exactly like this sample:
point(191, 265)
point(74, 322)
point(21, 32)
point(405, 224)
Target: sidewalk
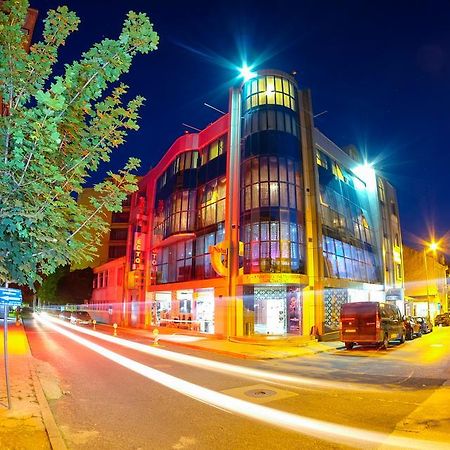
point(29, 423)
point(272, 349)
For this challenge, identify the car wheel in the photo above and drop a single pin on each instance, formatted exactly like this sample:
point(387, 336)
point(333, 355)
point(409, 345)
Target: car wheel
point(402, 338)
point(408, 335)
point(385, 343)
point(419, 334)
point(349, 345)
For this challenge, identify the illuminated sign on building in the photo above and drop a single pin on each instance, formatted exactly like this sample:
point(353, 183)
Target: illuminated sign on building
point(138, 251)
point(219, 256)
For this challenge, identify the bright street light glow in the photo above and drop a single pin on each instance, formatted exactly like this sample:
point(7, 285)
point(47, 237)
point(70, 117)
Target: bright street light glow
point(246, 72)
point(433, 246)
point(217, 366)
point(323, 430)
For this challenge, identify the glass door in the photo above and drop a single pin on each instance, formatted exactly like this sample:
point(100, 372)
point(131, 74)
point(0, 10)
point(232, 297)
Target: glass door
point(270, 310)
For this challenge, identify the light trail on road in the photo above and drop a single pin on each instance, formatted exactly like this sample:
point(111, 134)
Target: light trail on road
point(304, 425)
point(269, 377)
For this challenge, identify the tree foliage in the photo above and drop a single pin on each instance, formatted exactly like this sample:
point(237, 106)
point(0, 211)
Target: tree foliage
point(55, 133)
point(65, 286)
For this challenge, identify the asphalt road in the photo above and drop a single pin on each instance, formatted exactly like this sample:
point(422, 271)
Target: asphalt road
point(99, 404)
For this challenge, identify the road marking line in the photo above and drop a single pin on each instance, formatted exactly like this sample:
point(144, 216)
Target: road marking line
point(304, 425)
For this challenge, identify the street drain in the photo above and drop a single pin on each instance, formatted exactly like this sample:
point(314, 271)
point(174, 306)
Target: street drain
point(260, 393)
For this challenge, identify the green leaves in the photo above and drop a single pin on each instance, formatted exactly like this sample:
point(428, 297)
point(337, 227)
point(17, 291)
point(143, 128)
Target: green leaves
point(54, 137)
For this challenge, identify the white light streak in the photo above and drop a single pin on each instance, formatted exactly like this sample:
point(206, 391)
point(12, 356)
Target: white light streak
point(217, 366)
point(312, 427)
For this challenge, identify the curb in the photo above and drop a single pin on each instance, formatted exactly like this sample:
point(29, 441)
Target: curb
point(244, 355)
point(53, 433)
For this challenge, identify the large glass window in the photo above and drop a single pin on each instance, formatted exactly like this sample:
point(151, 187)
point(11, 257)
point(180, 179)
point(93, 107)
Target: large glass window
point(202, 264)
point(271, 181)
point(271, 218)
point(185, 161)
point(211, 203)
point(174, 263)
point(213, 150)
point(269, 90)
point(267, 119)
point(177, 214)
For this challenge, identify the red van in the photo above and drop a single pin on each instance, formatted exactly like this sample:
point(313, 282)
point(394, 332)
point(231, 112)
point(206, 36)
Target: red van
point(371, 323)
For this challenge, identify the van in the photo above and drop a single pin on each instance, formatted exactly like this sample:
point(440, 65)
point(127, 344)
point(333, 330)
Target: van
point(371, 323)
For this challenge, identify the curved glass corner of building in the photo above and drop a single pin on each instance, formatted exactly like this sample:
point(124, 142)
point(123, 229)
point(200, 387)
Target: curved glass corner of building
point(272, 206)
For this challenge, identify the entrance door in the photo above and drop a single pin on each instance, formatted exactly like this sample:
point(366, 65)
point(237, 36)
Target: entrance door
point(276, 316)
point(270, 310)
point(205, 310)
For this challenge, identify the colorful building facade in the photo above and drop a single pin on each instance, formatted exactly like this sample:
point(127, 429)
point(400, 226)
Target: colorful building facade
point(259, 225)
point(426, 287)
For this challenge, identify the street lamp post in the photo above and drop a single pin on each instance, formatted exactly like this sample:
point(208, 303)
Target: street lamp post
point(433, 247)
point(426, 277)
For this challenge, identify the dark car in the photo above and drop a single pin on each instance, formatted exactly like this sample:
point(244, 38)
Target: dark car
point(413, 327)
point(81, 318)
point(425, 324)
point(442, 319)
point(371, 323)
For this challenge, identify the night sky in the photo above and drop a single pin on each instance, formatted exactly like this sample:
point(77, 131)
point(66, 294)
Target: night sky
point(380, 69)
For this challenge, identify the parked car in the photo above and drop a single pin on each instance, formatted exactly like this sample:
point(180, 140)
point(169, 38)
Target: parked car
point(426, 325)
point(442, 319)
point(65, 315)
point(81, 318)
point(413, 327)
point(371, 323)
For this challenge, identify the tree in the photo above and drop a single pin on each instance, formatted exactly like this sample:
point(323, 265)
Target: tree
point(65, 286)
point(56, 132)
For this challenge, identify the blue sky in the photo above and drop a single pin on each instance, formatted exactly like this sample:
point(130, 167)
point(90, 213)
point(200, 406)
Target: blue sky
point(380, 69)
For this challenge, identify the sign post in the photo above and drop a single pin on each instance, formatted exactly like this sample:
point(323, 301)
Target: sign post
point(8, 297)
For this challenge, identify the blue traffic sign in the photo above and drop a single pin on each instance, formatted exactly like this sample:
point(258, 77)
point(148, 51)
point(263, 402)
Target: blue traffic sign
point(11, 297)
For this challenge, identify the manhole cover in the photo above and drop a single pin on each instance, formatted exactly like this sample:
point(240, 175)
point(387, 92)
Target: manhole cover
point(259, 393)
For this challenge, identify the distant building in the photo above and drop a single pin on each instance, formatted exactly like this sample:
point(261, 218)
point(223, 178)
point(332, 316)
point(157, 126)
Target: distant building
point(114, 243)
point(259, 225)
point(426, 287)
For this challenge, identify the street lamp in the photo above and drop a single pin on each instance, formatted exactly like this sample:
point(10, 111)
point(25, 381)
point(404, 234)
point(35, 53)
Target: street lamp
point(433, 246)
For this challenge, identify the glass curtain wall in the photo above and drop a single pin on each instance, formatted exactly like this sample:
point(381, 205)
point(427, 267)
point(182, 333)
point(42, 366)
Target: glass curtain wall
point(190, 198)
point(271, 203)
point(349, 246)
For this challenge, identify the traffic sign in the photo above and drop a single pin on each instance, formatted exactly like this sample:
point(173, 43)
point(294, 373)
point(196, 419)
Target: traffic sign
point(10, 297)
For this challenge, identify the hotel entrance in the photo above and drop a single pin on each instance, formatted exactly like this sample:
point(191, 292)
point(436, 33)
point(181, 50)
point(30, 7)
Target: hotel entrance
point(204, 310)
point(272, 310)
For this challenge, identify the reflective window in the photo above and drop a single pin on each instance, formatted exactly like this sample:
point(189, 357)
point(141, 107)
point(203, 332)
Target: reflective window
point(174, 263)
point(270, 120)
point(211, 203)
point(269, 90)
point(271, 220)
point(213, 150)
point(177, 214)
point(185, 161)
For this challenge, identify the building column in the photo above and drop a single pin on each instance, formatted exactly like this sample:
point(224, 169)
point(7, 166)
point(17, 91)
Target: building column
point(234, 304)
point(313, 293)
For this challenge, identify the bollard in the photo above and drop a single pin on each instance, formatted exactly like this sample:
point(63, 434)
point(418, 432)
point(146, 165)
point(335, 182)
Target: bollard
point(115, 329)
point(155, 336)
point(93, 324)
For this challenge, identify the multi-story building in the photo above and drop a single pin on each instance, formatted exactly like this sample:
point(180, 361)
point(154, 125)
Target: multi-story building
point(426, 286)
point(114, 243)
point(259, 225)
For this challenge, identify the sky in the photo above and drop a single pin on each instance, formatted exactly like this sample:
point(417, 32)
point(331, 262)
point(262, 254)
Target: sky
point(380, 70)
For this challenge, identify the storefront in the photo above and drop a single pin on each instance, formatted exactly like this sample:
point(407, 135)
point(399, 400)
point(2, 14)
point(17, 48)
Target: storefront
point(204, 310)
point(272, 310)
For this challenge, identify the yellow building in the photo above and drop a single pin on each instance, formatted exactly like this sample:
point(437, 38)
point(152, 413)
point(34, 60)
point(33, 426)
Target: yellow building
point(425, 282)
point(114, 243)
